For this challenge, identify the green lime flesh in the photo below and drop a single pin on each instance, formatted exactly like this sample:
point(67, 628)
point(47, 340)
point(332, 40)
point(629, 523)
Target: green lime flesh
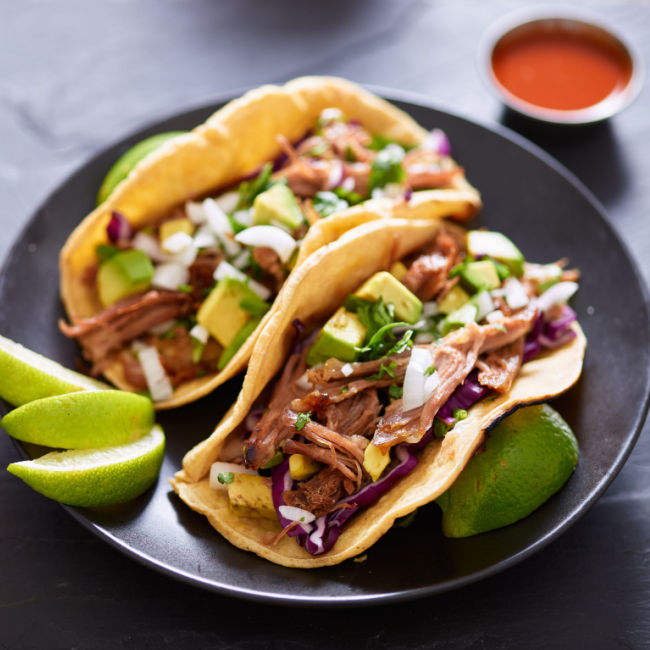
point(26, 375)
point(528, 457)
point(127, 161)
point(82, 420)
point(96, 477)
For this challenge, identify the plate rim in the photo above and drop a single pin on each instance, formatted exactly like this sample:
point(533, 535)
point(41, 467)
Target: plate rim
point(419, 101)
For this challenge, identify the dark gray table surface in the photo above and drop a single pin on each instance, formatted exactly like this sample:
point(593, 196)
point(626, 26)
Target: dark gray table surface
point(75, 76)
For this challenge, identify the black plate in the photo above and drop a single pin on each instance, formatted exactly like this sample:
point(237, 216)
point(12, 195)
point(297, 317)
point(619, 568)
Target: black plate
point(528, 196)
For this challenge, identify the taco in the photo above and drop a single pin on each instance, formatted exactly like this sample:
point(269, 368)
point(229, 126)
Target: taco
point(372, 386)
point(240, 201)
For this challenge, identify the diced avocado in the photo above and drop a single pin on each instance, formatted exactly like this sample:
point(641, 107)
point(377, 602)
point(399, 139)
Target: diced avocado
point(408, 306)
point(240, 338)
point(398, 270)
point(455, 299)
point(123, 274)
point(479, 276)
point(221, 313)
point(302, 467)
point(375, 461)
point(250, 495)
point(338, 339)
point(277, 204)
point(169, 228)
point(494, 244)
point(459, 318)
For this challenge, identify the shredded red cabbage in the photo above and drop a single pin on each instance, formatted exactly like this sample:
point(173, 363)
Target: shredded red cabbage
point(549, 334)
point(465, 396)
point(439, 142)
point(118, 228)
point(281, 481)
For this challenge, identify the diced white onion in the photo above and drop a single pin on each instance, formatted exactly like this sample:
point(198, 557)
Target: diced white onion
point(330, 115)
point(149, 245)
point(177, 243)
point(429, 308)
point(186, 257)
point(516, 295)
point(348, 184)
point(244, 217)
point(281, 242)
point(225, 270)
point(336, 174)
point(430, 384)
point(205, 238)
point(242, 260)
point(296, 514)
point(393, 190)
point(170, 275)
point(157, 380)
point(484, 305)
point(542, 272)
point(347, 369)
point(200, 333)
point(303, 382)
point(377, 193)
point(556, 295)
point(195, 212)
point(228, 201)
point(216, 218)
point(494, 316)
point(414, 379)
point(225, 468)
point(161, 328)
point(230, 246)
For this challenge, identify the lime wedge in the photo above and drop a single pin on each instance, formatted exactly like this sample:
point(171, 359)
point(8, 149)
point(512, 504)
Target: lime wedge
point(127, 161)
point(82, 420)
point(96, 477)
point(528, 457)
point(26, 375)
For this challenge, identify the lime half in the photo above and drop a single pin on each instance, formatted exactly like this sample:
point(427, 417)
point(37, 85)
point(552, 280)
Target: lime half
point(96, 477)
point(127, 161)
point(26, 375)
point(528, 457)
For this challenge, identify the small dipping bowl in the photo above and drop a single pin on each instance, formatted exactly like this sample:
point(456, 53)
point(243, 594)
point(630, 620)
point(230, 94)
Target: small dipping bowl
point(560, 69)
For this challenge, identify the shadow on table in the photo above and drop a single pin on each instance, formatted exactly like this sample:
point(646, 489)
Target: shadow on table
point(592, 152)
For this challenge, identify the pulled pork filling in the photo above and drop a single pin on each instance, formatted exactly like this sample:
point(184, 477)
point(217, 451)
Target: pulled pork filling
point(331, 413)
point(336, 164)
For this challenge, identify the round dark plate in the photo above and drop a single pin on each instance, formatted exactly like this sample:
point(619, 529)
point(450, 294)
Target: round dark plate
point(527, 195)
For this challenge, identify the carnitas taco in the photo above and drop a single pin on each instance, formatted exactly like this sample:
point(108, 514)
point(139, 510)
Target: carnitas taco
point(167, 282)
point(370, 390)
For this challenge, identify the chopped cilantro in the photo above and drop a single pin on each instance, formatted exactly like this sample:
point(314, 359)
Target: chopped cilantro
point(225, 477)
point(395, 391)
point(440, 428)
point(349, 154)
point(387, 167)
point(248, 190)
point(327, 203)
point(348, 195)
point(278, 457)
point(106, 251)
point(255, 306)
point(302, 419)
point(380, 142)
point(318, 149)
point(503, 271)
point(197, 349)
point(235, 225)
point(460, 414)
point(430, 370)
point(185, 288)
point(345, 389)
point(389, 370)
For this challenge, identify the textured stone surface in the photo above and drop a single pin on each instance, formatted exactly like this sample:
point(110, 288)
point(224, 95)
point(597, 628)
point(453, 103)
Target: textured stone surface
point(76, 76)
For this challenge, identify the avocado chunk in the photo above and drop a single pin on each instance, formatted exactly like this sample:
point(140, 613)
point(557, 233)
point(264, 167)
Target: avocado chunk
point(494, 244)
point(386, 286)
point(455, 299)
point(375, 461)
point(123, 274)
point(277, 204)
point(250, 496)
point(459, 318)
point(338, 339)
point(479, 276)
point(222, 313)
point(302, 467)
point(171, 227)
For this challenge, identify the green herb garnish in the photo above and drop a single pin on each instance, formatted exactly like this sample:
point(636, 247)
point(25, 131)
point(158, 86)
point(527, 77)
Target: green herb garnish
point(440, 428)
point(345, 389)
point(388, 370)
point(302, 419)
point(395, 391)
point(387, 167)
point(460, 414)
point(185, 288)
point(348, 195)
point(430, 370)
point(248, 190)
point(255, 306)
point(327, 203)
point(225, 477)
point(278, 457)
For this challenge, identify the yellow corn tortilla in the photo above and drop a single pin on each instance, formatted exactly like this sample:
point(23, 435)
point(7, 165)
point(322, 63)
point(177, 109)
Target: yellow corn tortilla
point(232, 143)
point(318, 288)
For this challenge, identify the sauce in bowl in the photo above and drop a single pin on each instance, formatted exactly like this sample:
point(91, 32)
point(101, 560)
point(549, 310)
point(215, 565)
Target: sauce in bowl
point(562, 70)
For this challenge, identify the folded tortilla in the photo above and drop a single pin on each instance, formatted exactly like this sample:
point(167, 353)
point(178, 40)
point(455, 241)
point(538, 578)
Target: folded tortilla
point(316, 290)
point(231, 144)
